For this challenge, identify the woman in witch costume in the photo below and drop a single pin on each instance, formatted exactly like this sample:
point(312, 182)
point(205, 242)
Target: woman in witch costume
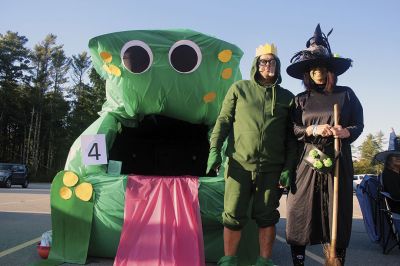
point(309, 203)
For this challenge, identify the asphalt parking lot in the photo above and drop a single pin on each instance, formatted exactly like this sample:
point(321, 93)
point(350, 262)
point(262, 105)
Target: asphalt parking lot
point(25, 216)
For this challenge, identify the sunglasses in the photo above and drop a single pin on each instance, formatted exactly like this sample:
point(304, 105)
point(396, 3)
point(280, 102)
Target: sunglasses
point(265, 62)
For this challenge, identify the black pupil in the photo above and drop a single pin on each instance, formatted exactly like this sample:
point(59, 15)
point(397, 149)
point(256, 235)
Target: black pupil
point(184, 58)
point(136, 59)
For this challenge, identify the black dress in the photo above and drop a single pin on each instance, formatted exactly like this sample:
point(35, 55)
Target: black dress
point(309, 203)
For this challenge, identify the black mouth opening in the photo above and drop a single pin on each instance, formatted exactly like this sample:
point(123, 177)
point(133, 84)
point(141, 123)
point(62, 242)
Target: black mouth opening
point(162, 146)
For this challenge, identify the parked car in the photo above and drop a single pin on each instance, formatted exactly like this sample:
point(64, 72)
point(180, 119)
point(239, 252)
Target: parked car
point(358, 178)
point(13, 174)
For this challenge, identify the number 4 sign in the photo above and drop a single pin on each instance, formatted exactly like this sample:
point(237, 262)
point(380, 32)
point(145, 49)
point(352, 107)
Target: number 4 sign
point(94, 149)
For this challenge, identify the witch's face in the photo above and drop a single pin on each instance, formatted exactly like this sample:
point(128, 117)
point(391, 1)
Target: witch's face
point(318, 75)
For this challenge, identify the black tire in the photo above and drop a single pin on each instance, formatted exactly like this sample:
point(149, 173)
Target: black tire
point(8, 183)
point(25, 184)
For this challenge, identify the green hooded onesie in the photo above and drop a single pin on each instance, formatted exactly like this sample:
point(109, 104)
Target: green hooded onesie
point(256, 122)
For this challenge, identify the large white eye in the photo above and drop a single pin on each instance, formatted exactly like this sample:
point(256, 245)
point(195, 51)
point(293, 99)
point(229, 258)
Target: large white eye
point(185, 56)
point(136, 56)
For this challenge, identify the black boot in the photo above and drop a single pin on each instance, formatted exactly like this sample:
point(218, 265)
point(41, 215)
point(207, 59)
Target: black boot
point(298, 255)
point(341, 255)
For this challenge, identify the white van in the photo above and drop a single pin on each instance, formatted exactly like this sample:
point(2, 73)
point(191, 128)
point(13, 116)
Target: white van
point(358, 178)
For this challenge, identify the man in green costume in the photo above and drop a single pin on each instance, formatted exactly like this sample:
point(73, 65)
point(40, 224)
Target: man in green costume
point(261, 150)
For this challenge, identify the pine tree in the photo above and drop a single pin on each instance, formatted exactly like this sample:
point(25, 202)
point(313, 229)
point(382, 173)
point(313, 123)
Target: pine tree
point(370, 146)
point(14, 74)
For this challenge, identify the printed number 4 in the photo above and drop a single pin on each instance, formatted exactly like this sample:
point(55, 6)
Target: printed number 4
point(96, 151)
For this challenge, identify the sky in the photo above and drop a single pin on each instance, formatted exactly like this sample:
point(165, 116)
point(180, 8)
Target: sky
point(366, 31)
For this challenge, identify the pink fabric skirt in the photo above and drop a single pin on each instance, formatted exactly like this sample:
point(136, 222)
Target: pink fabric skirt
point(162, 224)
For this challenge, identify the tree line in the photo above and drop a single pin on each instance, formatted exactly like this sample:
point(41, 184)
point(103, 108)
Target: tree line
point(47, 99)
point(372, 144)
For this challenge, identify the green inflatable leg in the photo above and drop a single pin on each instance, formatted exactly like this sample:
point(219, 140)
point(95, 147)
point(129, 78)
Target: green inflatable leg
point(71, 217)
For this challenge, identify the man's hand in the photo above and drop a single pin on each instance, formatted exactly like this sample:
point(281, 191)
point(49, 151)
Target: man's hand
point(284, 180)
point(214, 160)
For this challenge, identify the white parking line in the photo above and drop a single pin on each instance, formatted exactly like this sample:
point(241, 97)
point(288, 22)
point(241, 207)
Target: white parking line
point(21, 246)
point(308, 253)
point(34, 212)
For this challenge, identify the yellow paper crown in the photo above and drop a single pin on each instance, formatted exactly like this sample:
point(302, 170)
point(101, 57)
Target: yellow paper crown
point(266, 49)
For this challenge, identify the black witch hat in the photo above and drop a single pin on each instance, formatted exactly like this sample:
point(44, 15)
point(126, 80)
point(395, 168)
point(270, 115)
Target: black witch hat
point(318, 52)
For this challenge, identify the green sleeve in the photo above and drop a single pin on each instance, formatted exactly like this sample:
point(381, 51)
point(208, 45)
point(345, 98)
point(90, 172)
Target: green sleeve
point(224, 121)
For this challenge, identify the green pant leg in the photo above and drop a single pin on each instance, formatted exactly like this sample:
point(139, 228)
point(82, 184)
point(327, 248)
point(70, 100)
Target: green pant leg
point(266, 199)
point(238, 189)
